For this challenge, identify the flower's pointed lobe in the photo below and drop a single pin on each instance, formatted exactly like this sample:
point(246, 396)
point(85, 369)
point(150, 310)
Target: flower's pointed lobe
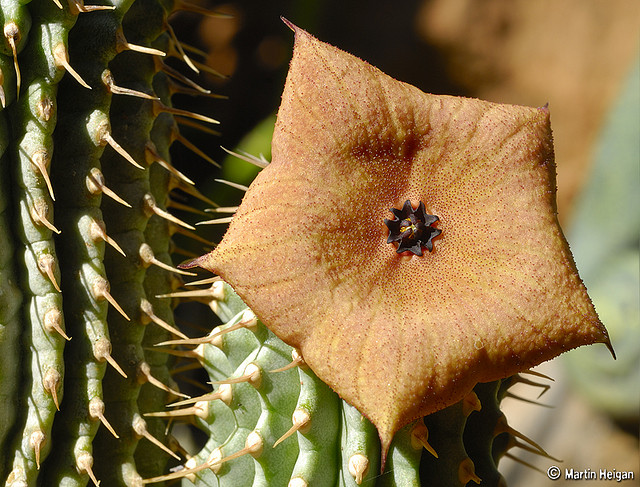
point(401, 336)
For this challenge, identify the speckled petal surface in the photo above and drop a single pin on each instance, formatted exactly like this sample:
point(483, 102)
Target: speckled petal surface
point(400, 336)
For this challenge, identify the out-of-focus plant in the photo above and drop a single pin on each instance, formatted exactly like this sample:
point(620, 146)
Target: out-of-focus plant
point(605, 239)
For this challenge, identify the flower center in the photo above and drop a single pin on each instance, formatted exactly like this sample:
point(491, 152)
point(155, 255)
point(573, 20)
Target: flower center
point(412, 229)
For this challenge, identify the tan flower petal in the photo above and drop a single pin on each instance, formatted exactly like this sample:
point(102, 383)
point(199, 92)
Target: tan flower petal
point(398, 336)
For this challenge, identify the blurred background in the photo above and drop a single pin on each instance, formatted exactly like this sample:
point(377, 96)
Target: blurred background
point(581, 57)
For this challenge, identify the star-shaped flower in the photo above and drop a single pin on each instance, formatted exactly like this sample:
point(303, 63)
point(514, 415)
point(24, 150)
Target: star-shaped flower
point(402, 336)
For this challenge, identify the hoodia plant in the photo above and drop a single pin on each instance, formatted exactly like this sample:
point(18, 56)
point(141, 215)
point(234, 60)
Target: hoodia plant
point(386, 279)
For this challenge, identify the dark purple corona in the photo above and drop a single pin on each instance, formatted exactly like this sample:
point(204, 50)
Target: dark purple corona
point(412, 228)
